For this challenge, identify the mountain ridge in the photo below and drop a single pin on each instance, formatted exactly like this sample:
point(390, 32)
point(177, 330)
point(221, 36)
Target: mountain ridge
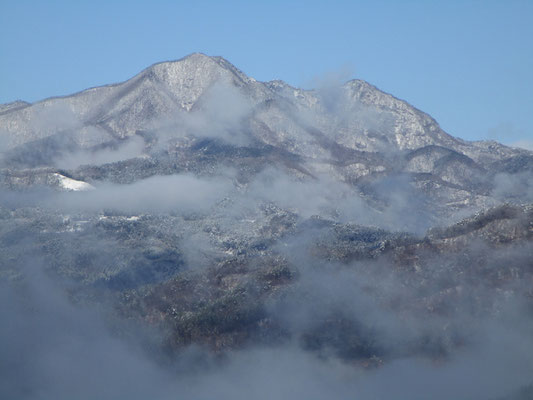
point(353, 132)
point(197, 61)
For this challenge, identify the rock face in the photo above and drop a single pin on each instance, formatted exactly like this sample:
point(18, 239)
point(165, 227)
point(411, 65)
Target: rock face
point(231, 213)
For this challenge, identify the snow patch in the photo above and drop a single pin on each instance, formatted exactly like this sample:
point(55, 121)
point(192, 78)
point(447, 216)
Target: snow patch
point(73, 185)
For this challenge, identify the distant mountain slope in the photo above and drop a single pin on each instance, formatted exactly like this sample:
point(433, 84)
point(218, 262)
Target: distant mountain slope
point(352, 132)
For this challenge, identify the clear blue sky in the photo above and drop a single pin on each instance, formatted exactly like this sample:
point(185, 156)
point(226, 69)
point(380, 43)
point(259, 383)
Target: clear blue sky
point(467, 63)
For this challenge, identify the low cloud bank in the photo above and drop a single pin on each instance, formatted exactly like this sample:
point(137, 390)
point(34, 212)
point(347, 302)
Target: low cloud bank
point(53, 349)
point(158, 194)
point(129, 149)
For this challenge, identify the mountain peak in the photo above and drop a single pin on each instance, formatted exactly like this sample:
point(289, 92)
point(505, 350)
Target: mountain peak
point(197, 68)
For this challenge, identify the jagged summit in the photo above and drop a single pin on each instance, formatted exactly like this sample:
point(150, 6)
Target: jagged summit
point(195, 69)
point(195, 59)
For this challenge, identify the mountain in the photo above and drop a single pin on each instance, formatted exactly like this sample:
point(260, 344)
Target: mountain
point(352, 132)
point(217, 212)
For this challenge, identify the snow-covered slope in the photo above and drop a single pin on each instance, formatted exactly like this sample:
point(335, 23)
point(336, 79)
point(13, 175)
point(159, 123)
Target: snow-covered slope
point(354, 133)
